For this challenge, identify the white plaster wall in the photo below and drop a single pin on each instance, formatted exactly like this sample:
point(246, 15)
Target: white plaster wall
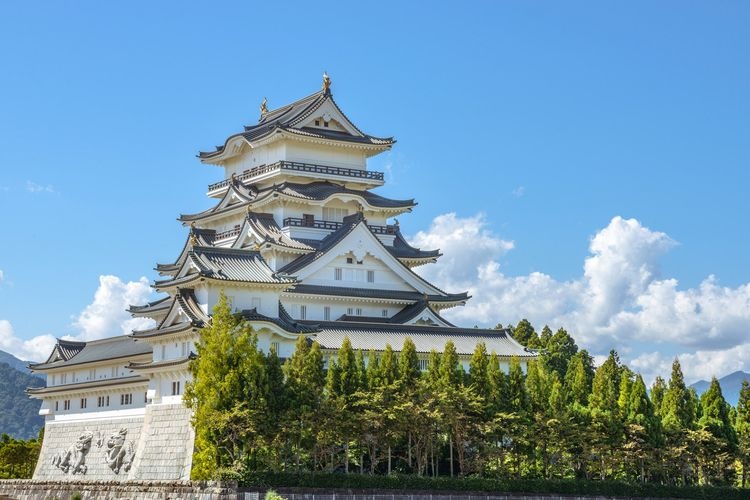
point(324, 155)
point(251, 158)
point(355, 275)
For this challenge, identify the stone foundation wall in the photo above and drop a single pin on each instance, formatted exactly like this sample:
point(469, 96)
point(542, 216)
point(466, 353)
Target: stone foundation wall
point(165, 451)
point(24, 489)
point(89, 450)
point(155, 446)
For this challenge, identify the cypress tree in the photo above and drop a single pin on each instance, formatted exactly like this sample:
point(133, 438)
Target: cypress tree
point(388, 366)
point(677, 410)
point(657, 395)
point(525, 334)
point(451, 373)
point(715, 414)
point(742, 428)
point(348, 372)
point(478, 366)
point(408, 363)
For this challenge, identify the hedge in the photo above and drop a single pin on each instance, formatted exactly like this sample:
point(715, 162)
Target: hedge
point(477, 484)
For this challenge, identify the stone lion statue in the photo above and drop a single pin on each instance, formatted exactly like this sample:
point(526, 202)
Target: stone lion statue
point(73, 460)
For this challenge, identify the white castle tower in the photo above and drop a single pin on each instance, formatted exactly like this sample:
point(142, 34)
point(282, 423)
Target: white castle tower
point(300, 245)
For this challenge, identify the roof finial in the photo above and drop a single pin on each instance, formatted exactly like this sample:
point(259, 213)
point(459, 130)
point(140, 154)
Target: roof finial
point(264, 107)
point(193, 239)
point(326, 82)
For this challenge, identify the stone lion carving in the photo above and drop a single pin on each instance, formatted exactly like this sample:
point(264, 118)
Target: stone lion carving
point(119, 454)
point(73, 459)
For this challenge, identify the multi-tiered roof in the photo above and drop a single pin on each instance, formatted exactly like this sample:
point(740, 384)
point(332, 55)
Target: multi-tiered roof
point(294, 217)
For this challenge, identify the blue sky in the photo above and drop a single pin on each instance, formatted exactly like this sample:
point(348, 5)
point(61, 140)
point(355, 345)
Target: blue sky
point(549, 118)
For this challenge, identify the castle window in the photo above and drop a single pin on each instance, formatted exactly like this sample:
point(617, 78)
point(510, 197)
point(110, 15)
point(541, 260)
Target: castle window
point(325, 124)
point(384, 313)
point(371, 276)
point(275, 347)
point(359, 311)
point(338, 274)
point(57, 405)
point(308, 220)
point(175, 388)
point(349, 260)
point(317, 123)
point(423, 365)
point(350, 311)
point(84, 403)
point(126, 399)
point(327, 313)
point(145, 397)
point(66, 405)
point(303, 312)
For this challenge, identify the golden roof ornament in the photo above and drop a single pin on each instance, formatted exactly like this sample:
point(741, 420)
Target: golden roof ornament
point(326, 82)
point(193, 240)
point(264, 107)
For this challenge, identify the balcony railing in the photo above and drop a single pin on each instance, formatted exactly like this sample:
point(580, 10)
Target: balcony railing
point(299, 167)
point(226, 234)
point(332, 226)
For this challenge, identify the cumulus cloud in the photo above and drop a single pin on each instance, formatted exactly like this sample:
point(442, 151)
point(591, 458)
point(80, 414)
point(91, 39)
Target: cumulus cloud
point(105, 316)
point(34, 349)
point(619, 301)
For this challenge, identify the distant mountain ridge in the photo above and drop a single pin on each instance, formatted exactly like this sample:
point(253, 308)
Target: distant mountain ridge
point(21, 366)
point(730, 386)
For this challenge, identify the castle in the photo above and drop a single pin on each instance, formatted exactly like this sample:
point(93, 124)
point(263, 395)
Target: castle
point(301, 245)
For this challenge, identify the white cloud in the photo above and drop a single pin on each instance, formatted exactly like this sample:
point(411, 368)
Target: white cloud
point(518, 192)
point(619, 301)
point(33, 187)
point(106, 316)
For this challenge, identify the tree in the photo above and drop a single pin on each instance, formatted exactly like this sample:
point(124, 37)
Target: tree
point(579, 377)
point(657, 395)
point(451, 373)
point(478, 366)
point(742, 427)
point(408, 363)
point(559, 351)
point(677, 410)
point(227, 423)
point(525, 334)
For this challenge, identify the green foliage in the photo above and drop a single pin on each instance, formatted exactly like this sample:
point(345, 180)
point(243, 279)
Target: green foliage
point(530, 428)
point(480, 484)
point(525, 334)
point(678, 407)
point(18, 457)
point(272, 495)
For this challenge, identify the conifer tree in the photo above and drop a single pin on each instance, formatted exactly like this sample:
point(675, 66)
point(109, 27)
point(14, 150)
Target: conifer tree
point(363, 382)
point(525, 334)
point(433, 368)
point(715, 415)
point(478, 366)
point(408, 363)
point(677, 409)
point(742, 428)
point(544, 337)
point(657, 395)
point(388, 366)
point(578, 378)
point(451, 373)
point(559, 351)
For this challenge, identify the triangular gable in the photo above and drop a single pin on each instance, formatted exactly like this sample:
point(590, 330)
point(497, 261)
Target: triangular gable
point(361, 241)
point(328, 112)
point(428, 317)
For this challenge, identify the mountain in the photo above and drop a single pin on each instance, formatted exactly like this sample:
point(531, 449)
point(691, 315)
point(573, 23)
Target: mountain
point(19, 417)
point(6, 357)
point(730, 386)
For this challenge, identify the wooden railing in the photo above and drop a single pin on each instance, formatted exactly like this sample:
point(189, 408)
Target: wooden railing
point(299, 167)
point(332, 226)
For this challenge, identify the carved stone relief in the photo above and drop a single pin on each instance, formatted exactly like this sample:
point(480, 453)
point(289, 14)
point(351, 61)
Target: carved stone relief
point(73, 460)
point(119, 454)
